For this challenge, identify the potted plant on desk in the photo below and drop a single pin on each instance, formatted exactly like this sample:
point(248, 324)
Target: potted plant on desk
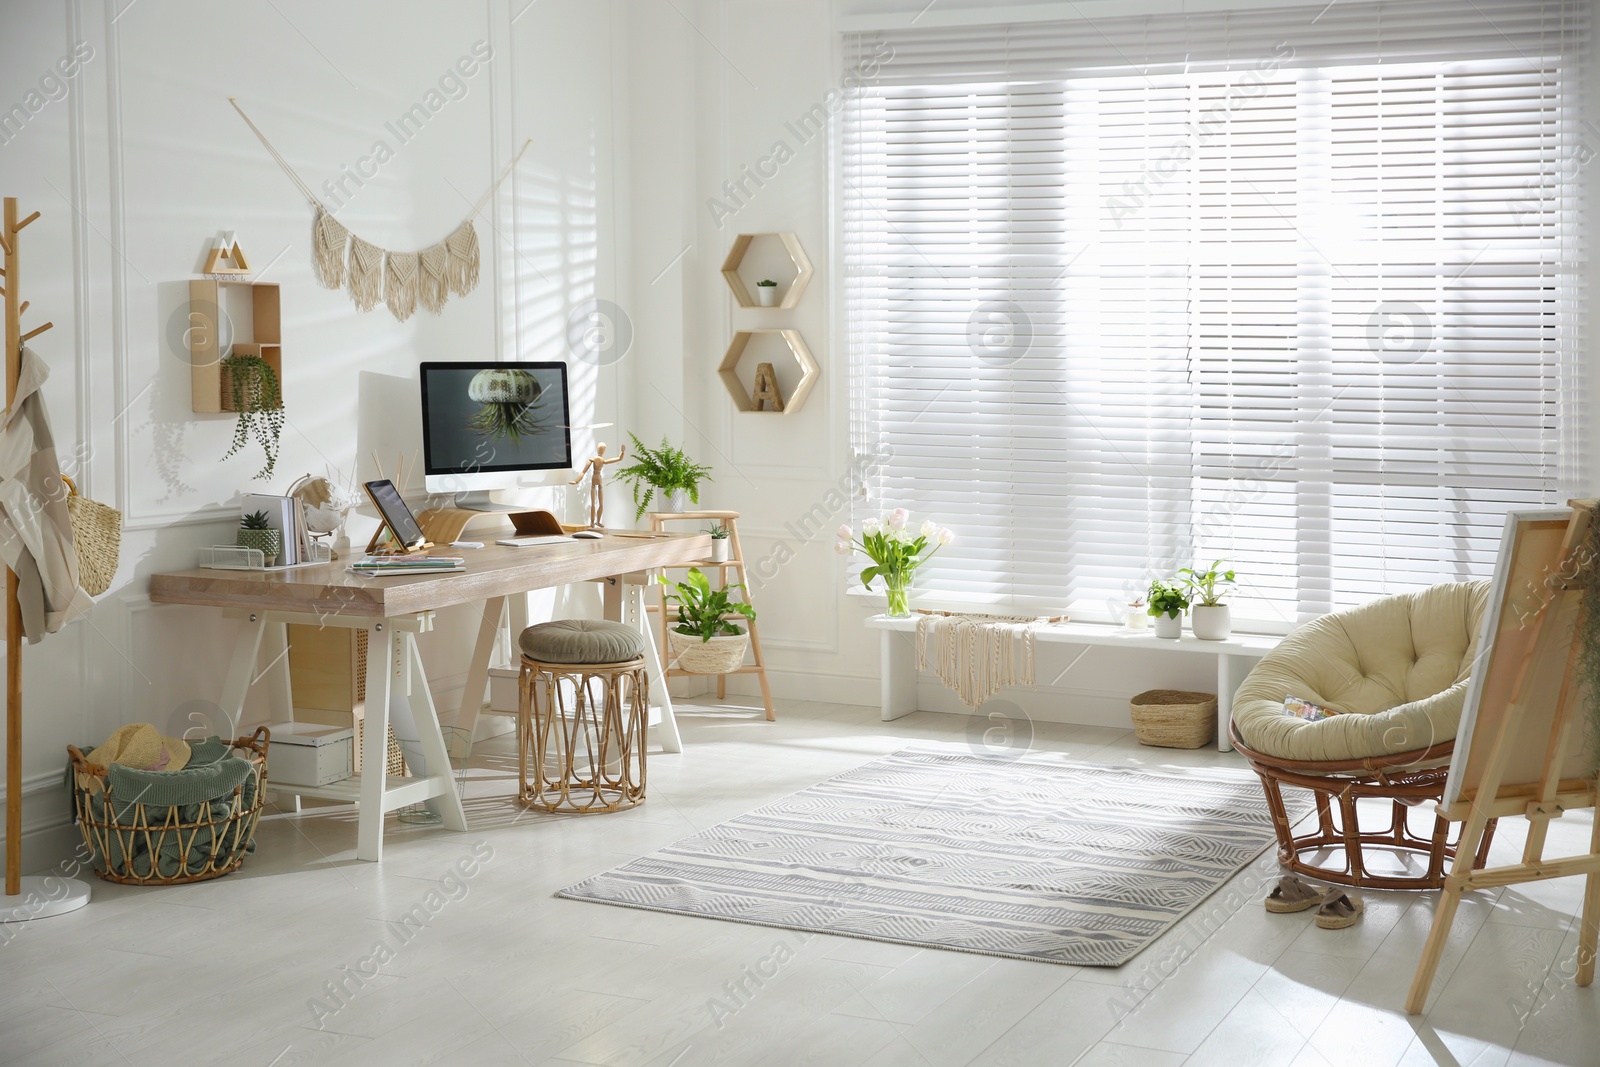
point(257, 533)
point(1167, 604)
point(1210, 619)
point(704, 640)
point(666, 470)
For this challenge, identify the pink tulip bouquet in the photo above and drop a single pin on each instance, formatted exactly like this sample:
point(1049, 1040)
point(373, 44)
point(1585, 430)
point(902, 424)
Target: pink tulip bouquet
point(895, 551)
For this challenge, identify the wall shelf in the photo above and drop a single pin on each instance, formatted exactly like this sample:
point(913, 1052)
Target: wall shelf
point(791, 247)
point(207, 362)
point(809, 371)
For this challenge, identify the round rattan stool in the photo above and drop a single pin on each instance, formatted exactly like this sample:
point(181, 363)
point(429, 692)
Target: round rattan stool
point(582, 717)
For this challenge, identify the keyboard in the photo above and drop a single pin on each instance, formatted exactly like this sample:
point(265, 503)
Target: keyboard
point(542, 539)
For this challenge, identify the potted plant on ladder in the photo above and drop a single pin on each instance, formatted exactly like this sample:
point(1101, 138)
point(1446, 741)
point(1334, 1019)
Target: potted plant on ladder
point(1209, 619)
point(704, 639)
point(666, 470)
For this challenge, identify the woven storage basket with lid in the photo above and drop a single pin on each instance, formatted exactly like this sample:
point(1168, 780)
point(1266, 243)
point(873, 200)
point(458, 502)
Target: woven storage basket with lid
point(1174, 718)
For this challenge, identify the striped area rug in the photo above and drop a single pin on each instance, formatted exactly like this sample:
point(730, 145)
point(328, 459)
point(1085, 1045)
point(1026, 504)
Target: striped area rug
point(1034, 858)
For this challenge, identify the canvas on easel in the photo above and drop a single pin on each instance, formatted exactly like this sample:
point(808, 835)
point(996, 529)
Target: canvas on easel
point(1527, 745)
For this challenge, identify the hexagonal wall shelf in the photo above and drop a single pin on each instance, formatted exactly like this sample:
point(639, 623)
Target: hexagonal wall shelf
point(809, 371)
point(736, 254)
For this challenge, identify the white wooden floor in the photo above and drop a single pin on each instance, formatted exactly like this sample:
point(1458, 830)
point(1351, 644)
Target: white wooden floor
point(503, 973)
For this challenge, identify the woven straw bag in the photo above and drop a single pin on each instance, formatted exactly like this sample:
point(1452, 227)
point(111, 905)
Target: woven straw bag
point(97, 538)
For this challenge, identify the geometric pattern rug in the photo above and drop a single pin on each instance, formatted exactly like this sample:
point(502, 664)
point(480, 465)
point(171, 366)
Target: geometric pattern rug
point(1035, 858)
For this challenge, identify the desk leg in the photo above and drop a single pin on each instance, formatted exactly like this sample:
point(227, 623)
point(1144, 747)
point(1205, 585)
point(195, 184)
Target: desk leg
point(478, 670)
point(424, 726)
point(671, 740)
point(382, 652)
point(280, 692)
point(242, 670)
point(899, 668)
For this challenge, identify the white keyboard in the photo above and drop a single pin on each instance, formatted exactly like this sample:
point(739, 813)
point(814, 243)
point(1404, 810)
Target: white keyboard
point(542, 539)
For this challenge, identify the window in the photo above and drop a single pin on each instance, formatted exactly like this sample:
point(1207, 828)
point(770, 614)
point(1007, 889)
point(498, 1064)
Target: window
point(1296, 291)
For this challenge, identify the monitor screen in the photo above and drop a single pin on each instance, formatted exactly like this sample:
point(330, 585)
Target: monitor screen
point(480, 418)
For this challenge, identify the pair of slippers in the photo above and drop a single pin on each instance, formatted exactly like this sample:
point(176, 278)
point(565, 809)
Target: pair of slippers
point(1336, 909)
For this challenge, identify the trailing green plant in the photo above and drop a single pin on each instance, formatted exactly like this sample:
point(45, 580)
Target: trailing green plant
point(1204, 583)
point(256, 520)
point(702, 608)
point(1167, 598)
point(662, 470)
point(253, 388)
point(718, 532)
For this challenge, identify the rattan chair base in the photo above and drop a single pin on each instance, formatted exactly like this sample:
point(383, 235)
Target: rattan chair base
point(1406, 779)
point(581, 735)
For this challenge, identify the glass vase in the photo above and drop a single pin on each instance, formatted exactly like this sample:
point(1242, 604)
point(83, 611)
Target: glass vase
point(898, 586)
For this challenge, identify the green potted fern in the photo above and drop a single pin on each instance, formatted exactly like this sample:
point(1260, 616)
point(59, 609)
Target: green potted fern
point(704, 638)
point(255, 532)
point(666, 470)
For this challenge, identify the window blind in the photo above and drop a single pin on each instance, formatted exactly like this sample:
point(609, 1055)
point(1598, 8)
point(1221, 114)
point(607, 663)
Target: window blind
point(1298, 291)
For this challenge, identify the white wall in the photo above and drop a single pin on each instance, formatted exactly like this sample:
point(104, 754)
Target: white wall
point(140, 164)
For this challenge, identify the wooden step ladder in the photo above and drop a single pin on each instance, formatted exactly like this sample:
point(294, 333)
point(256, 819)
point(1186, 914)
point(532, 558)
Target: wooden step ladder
point(736, 564)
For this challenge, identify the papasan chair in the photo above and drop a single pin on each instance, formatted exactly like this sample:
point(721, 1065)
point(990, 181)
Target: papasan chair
point(1397, 670)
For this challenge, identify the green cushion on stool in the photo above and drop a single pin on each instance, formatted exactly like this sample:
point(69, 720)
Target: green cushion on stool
point(581, 641)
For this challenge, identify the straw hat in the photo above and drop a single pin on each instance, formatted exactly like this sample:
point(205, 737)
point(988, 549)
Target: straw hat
point(142, 746)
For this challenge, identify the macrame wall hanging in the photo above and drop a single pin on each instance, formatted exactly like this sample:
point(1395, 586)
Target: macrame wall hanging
point(401, 280)
point(978, 655)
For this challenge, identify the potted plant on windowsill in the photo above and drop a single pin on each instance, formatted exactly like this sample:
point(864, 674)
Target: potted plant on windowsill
point(703, 639)
point(1167, 604)
point(255, 532)
point(719, 543)
point(1209, 619)
point(665, 470)
point(767, 293)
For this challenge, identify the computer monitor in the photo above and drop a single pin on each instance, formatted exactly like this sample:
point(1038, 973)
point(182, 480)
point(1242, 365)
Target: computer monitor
point(486, 423)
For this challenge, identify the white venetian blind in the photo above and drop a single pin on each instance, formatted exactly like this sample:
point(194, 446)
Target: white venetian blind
point(1297, 291)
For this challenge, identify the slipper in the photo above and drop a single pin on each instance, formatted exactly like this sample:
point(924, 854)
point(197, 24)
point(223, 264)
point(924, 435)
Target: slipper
point(1292, 894)
point(1339, 910)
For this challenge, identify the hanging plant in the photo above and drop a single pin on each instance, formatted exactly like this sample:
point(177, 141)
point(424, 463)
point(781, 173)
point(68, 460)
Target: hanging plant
point(252, 387)
point(508, 397)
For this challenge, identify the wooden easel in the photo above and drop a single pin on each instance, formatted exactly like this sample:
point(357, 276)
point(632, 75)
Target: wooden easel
point(1521, 750)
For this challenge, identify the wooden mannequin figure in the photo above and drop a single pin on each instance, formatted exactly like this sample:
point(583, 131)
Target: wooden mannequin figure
point(594, 469)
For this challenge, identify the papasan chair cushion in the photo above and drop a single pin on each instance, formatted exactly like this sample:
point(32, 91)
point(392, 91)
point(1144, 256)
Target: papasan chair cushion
point(1397, 667)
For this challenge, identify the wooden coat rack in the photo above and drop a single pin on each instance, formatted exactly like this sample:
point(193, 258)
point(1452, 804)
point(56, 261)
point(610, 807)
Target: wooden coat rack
point(1521, 749)
point(45, 896)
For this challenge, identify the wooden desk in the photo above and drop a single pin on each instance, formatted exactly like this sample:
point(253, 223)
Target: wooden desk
point(393, 610)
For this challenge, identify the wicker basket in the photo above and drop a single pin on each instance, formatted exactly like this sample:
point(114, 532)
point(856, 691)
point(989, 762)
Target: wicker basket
point(1174, 718)
point(132, 832)
point(720, 655)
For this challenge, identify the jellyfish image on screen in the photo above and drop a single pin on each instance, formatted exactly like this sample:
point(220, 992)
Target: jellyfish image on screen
point(507, 397)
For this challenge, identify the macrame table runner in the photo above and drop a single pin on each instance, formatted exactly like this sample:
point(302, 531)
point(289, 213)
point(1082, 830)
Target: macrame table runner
point(401, 280)
point(978, 655)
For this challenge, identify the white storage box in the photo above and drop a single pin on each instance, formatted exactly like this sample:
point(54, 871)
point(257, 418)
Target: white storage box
point(308, 753)
point(503, 690)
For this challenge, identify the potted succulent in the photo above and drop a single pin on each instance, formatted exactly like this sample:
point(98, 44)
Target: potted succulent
point(767, 293)
point(1209, 619)
point(250, 386)
point(666, 470)
point(1167, 604)
point(719, 543)
point(255, 532)
point(703, 638)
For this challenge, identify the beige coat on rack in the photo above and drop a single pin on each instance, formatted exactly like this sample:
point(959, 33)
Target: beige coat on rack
point(35, 528)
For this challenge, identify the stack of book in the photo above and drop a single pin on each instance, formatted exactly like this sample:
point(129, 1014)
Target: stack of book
point(372, 565)
point(287, 515)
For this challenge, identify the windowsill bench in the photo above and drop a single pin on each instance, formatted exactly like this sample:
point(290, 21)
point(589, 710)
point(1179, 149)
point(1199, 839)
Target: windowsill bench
point(1235, 656)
